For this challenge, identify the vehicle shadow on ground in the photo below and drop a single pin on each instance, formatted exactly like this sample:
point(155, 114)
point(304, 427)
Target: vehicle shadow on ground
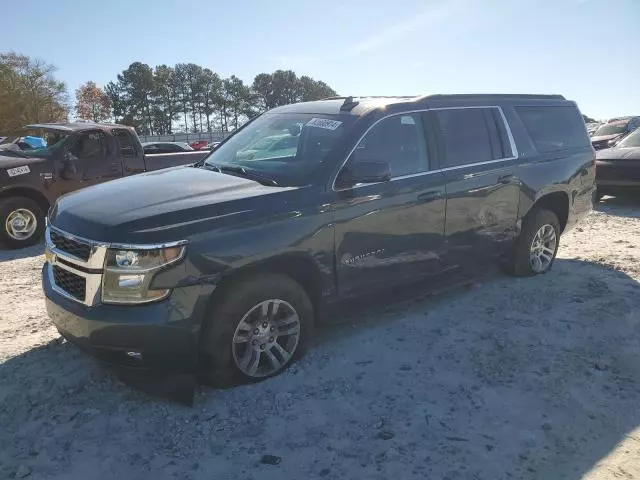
point(7, 254)
point(522, 378)
point(622, 206)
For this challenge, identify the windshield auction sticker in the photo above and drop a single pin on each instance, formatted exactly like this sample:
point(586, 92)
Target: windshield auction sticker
point(324, 123)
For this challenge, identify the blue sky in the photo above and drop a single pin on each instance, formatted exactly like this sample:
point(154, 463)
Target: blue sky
point(587, 50)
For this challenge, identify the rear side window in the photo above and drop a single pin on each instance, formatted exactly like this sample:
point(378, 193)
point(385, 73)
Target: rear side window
point(125, 142)
point(471, 135)
point(554, 128)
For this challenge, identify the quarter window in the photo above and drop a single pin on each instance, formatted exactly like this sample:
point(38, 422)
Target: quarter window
point(554, 128)
point(398, 140)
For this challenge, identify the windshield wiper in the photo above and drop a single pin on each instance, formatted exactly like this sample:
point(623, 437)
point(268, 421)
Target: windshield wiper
point(241, 171)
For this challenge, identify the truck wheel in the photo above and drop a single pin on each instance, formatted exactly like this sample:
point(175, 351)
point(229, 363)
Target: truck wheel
point(537, 244)
point(21, 222)
point(259, 327)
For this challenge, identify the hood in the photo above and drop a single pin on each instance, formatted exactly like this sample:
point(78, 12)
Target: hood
point(11, 161)
point(161, 206)
point(605, 138)
point(619, 153)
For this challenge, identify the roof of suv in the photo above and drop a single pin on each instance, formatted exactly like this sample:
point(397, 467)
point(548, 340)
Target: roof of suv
point(360, 105)
point(74, 126)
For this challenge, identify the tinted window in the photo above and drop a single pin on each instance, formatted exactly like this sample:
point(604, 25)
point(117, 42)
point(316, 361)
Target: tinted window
point(90, 146)
point(397, 140)
point(125, 143)
point(466, 136)
point(554, 128)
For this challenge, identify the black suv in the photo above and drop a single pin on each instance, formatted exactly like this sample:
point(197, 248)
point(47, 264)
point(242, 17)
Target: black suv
point(223, 266)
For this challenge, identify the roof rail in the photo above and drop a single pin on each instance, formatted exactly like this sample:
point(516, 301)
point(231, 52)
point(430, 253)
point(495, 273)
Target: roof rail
point(494, 95)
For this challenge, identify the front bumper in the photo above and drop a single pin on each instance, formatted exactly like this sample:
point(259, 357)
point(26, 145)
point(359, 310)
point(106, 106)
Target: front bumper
point(160, 336)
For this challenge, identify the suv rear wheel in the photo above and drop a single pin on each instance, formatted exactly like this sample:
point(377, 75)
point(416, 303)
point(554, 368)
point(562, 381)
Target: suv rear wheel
point(537, 243)
point(259, 327)
point(21, 222)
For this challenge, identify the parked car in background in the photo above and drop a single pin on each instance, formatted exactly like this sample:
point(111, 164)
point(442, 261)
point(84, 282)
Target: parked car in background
point(618, 167)
point(77, 155)
point(221, 269)
point(199, 145)
point(166, 147)
point(592, 127)
point(613, 131)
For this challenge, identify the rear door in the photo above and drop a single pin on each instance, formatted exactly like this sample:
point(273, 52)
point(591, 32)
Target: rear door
point(390, 232)
point(131, 156)
point(477, 157)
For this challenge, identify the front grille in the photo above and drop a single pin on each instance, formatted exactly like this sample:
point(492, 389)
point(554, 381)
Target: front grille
point(71, 283)
point(76, 248)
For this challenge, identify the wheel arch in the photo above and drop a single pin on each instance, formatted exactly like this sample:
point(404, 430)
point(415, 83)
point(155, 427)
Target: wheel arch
point(28, 192)
point(556, 202)
point(299, 267)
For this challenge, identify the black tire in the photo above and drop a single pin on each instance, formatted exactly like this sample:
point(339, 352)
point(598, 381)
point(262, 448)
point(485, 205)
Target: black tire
point(533, 221)
point(13, 204)
point(218, 366)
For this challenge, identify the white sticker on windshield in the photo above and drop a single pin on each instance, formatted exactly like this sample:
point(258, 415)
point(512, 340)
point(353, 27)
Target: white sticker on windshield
point(324, 123)
point(14, 172)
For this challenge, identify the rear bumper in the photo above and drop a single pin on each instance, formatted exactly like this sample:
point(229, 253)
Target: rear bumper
point(159, 336)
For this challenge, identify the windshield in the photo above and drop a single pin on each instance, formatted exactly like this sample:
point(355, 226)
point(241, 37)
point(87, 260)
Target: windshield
point(632, 140)
point(611, 129)
point(284, 147)
point(36, 144)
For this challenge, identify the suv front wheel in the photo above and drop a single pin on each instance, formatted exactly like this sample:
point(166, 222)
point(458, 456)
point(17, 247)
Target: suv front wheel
point(537, 243)
point(256, 329)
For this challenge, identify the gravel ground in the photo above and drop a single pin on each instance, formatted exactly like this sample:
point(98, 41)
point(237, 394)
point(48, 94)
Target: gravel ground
point(512, 378)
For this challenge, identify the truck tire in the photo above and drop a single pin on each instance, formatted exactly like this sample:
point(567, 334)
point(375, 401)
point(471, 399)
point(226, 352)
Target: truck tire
point(257, 328)
point(21, 222)
point(537, 244)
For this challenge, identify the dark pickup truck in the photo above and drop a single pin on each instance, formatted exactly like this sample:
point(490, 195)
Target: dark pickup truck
point(78, 155)
point(223, 267)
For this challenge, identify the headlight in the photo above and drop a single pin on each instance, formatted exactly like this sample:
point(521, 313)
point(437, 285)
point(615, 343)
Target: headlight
point(128, 273)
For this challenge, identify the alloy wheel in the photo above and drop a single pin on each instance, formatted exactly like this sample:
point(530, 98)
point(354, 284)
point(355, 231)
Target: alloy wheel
point(266, 338)
point(543, 248)
point(21, 224)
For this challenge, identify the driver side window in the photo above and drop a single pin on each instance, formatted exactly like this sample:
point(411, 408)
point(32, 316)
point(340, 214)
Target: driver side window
point(399, 141)
point(90, 146)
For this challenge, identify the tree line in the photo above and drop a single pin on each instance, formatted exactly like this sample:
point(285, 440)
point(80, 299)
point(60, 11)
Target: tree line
point(191, 98)
point(156, 101)
point(29, 93)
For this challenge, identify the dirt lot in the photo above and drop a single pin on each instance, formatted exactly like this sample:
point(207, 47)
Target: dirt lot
point(513, 378)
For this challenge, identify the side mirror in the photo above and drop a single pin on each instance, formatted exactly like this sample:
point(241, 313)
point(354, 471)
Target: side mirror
point(365, 172)
point(612, 143)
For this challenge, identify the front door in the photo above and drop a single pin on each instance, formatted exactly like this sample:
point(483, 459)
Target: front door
point(478, 163)
point(390, 232)
point(93, 158)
